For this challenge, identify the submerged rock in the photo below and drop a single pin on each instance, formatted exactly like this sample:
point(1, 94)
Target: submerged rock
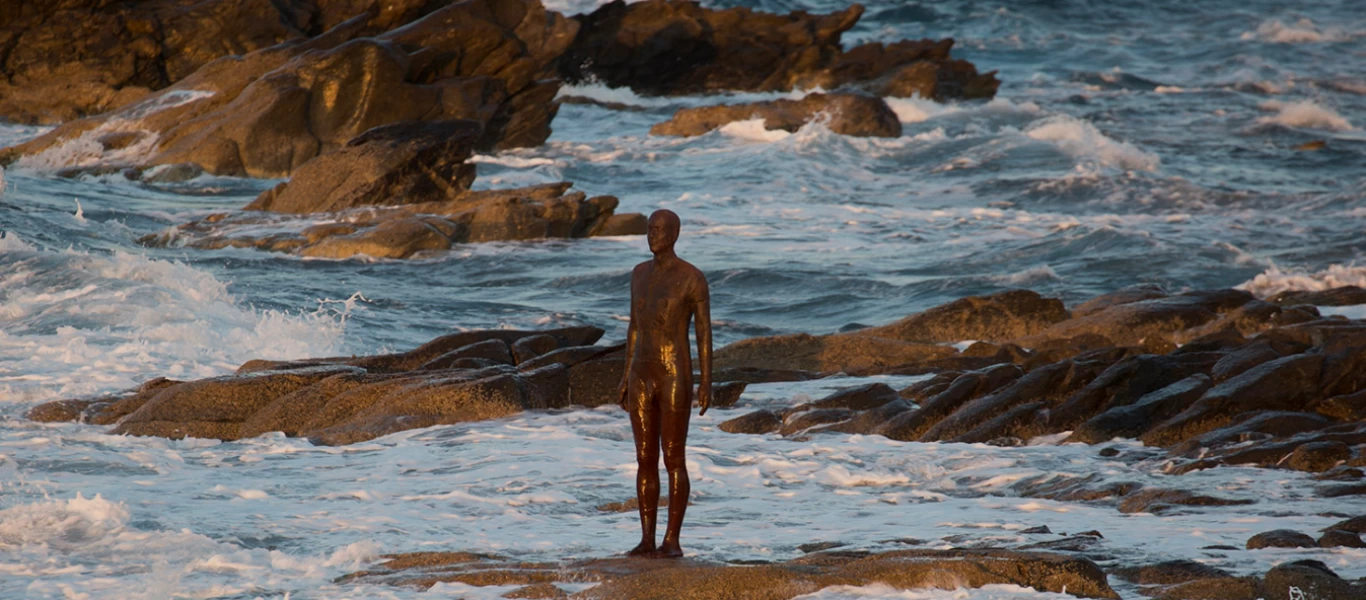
point(842, 113)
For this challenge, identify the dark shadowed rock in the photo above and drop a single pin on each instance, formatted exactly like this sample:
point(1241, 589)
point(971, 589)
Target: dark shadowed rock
point(493, 350)
point(1168, 572)
point(1317, 457)
point(1337, 538)
point(870, 421)
point(1239, 361)
point(1281, 538)
point(1129, 324)
point(1019, 400)
point(842, 113)
point(826, 354)
point(759, 421)
point(1214, 588)
point(1128, 381)
point(1312, 579)
point(1152, 408)
point(910, 426)
point(1355, 525)
point(532, 346)
point(859, 397)
point(1158, 500)
point(596, 382)
point(1347, 295)
point(727, 394)
point(1127, 295)
point(801, 421)
point(1350, 407)
point(997, 317)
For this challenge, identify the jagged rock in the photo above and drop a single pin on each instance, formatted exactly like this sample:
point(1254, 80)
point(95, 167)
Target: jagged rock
point(859, 397)
point(997, 317)
point(1128, 381)
point(759, 421)
point(1348, 295)
point(532, 346)
point(1127, 295)
point(826, 354)
point(1130, 323)
point(1317, 457)
point(678, 47)
point(727, 394)
point(265, 112)
point(871, 420)
point(495, 350)
point(910, 426)
point(843, 113)
point(1214, 588)
point(596, 382)
point(802, 421)
point(1237, 362)
point(404, 163)
point(976, 420)
point(535, 212)
point(1152, 408)
point(1281, 538)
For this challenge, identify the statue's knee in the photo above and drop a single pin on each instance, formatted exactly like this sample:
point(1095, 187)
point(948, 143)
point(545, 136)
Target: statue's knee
point(650, 459)
point(674, 461)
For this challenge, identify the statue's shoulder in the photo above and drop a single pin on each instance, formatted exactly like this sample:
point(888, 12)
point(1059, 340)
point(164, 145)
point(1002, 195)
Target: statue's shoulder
point(694, 272)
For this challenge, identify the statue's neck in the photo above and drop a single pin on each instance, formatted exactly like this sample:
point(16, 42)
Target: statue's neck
point(665, 257)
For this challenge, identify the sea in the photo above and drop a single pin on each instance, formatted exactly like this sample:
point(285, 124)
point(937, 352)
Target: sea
point(1188, 145)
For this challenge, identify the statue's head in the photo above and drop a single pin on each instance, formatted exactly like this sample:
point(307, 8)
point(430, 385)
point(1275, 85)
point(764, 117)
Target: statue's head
point(662, 231)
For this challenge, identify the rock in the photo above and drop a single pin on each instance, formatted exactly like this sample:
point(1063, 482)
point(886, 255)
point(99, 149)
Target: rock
point(1337, 538)
point(870, 421)
point(537, 590)
point(1126, 382)
point(843, 113)
point(802, 421)
point(727, 394)
point(1317, 457)
point(1355, 525)
point(532, 346)
point(1037, 529)
point(825, 354)
point(1169, 572)
point(1157, 500)
point(910, 426)
point(859, 397)
point(1311, 579)
point(1239, 361)
point(624, 224)
point(597, 382)
point(265, 112)
point(494, 350)
point(759, 421)
point(1350, 407)
point(1280, 538)
point(1339, 491)
point(997, 317)
point(409, 162)
point(570, 356)
point(1127, 295)
point(1214, 588)
point(58, 410)
point(428, 402)
point(1130, 323)
point(1015, 404)
point(1281, 384)
point(1348, 295)
point(672, 47)
point(1152, 408)
point(535, 212)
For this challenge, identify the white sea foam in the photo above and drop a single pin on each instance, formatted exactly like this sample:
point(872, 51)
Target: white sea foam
point(1302, 31)
point(753, 130)
point(1273, 280)
point(1081, 140)
point(87, 149)
point(883, 591)
point(75, 323)
point(918, 110)
point(1305, 114)
point(1030, 276)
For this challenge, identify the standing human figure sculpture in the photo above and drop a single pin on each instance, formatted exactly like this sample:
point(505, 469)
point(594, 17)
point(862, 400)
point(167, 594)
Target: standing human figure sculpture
point(666, 293)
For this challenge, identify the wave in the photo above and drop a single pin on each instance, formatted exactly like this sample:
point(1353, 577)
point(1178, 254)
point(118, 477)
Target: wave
point(1304, 114)
point(1302, 31)
point(75, 323)
point(1273, 280)
point(1082, 140)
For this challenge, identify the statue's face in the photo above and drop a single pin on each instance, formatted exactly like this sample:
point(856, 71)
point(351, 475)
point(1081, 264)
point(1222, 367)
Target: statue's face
point(662, 231)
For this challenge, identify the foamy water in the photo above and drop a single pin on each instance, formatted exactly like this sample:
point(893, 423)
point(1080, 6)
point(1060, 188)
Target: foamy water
point(1161, 145)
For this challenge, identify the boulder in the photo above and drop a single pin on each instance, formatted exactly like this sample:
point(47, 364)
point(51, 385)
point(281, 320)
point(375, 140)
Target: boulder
point(1128, 381)
point(1337, 538)
point(1348, 295)
point(1132, 420)
point(1309, 579)
point(1281, 538)
point(759, 421)
point(1159, 500)
point(999, 317)
point(532, 346)
point(859, 397)
point(1168, 572)
point(1317, 457)
point(493, 350)
point(673, 47)
point(842, 113)
point(826, 354)
point(1130, 323)
point(1126, 295)
point(267, 111)
point(798, 422)
point(910, 426)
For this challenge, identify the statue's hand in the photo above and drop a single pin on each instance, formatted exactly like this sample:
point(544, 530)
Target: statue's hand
point(621, 395)
point(704, 397)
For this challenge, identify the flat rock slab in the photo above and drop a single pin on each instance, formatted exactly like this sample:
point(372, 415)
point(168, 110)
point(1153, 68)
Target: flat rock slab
point(645, 579)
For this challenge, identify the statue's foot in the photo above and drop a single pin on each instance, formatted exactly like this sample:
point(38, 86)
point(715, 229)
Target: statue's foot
point(668, 551)
point(644, 549)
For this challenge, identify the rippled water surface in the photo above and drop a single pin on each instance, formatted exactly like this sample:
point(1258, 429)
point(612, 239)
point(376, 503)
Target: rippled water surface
point(1154, 144)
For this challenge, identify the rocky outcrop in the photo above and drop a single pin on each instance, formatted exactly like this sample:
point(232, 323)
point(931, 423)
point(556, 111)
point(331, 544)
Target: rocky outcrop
point(842, 113)
point(265, 112)
point(671, 47)
point(455, 378)
point(536, 212)
point(643, 579)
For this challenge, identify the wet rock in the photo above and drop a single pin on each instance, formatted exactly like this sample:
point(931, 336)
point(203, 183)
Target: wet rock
point(1350, 407)
point(570, 356)
point(801, 421)
point(997, 317)
point(404, 163)
point(1127, 382)
point(1311, 579)
point(1355, 525)
point(1169, 572)
point(671, 47)
point(493, 350)
point(727, 394)
point(842, 113)
point(537, 590)
point(1011, 410)
point(762, 374)
point(825, 354)
point(1152, 408)
point(1130, 323)
point(759, 421)
point(1317, 457)
point(870, 421)
point(1109, 452)
point(1337, 538)
point(532, 346)
point(428, 402)
point(1158, 500)
point(58, 411)
point(624, 224)
point(819, 546)
point(1214, 588)
point(1339, 491)
point(1127, 295)
point(1038, 529)
point(859, 397)
point(910, 426)
point(597, 382)
point(1280, 538)
point(1348, 295)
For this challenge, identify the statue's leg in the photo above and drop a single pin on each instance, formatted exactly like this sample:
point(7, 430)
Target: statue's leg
point(645, 427)
point(674, 438)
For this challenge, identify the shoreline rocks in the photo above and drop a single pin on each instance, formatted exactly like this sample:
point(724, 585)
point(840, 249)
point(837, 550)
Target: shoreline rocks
point(844, 113)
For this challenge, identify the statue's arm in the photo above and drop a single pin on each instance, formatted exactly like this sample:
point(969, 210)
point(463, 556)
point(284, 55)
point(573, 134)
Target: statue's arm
point(630, 346)
point(702, 320)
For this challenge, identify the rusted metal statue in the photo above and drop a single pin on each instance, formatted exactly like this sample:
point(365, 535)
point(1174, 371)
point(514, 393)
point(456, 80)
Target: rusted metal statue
point(666, 293)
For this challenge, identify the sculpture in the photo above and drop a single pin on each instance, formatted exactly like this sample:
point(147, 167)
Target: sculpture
point(666, 293)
